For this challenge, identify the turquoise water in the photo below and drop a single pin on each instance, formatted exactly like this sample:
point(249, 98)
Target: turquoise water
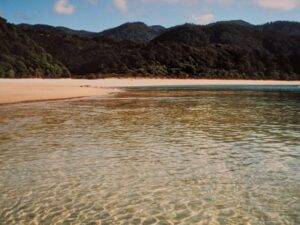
point(153, 157)
point(291, 88)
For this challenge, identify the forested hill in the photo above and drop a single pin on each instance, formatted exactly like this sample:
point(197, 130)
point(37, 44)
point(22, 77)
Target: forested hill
point(56, 30)
point(291, 28)
point(226, 49)
point(21, 56)
point(136, 32)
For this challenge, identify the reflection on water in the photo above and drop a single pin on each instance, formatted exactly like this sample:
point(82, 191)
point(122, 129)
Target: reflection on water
point(152, 158)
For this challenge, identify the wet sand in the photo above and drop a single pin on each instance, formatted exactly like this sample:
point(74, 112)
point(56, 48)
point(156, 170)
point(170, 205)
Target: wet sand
point(22, 90)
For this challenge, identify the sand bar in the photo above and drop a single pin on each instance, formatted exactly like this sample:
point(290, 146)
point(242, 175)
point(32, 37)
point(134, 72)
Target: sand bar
point(20, 90)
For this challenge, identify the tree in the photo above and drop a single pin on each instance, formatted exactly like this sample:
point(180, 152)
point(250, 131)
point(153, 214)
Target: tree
point(2, 72)
point(11, 73)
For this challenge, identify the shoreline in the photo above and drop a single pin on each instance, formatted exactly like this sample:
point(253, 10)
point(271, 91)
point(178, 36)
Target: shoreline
point(29, 90)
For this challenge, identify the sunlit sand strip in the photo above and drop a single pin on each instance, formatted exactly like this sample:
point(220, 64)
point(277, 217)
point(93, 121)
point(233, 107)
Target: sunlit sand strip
point(22, 90)
point(12, 91)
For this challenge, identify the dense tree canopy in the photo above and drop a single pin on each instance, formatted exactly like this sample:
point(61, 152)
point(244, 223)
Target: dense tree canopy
point(233, 49)
point(20, 56)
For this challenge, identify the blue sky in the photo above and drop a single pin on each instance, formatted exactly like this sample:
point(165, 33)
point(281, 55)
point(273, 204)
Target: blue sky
point(96, 15)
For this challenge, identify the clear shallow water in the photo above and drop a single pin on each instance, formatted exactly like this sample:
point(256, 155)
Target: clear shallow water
point(278, 88)
point(171, 157)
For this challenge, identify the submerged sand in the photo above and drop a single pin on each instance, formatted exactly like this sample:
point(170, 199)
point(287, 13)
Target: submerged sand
point(20, 90)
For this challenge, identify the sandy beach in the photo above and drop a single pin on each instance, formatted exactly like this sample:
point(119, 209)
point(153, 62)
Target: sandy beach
point(22, 90)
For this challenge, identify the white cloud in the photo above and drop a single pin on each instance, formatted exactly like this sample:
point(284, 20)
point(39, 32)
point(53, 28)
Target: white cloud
point(64, 7)
point(284, 5)
point(203, 19)
point(121, 5)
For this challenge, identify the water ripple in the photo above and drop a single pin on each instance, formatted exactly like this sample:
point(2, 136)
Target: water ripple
point(196, 158)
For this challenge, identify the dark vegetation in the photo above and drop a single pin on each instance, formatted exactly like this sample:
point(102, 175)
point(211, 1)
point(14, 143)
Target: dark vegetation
point(290, 28)
point(135, 32)
point(57, 30)
point(20, 56)
point(231, 49)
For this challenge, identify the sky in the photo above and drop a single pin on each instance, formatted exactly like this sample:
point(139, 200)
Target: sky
point(97, 15)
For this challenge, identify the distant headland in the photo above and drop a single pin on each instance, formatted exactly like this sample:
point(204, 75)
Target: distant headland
point(222, 50)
